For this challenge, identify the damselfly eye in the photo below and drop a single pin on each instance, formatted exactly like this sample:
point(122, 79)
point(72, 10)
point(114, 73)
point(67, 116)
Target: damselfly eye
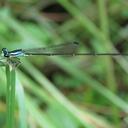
point(5, 52)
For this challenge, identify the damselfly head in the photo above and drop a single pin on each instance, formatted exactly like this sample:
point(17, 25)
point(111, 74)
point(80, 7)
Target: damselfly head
point(5, 52)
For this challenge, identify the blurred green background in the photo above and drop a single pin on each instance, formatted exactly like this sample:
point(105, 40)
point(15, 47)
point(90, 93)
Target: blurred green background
point(67, 92)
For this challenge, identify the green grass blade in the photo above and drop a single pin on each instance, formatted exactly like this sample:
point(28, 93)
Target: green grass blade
point(63, 101)
point(10, 75)
point(21, 104)
point(110, 75)
point(39, 116)
point(83, 77)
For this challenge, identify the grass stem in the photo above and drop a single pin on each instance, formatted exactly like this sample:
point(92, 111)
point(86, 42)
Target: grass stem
point(10, 99)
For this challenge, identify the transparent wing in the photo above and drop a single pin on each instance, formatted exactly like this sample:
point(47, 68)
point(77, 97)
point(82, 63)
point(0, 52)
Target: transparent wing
point(62, 49)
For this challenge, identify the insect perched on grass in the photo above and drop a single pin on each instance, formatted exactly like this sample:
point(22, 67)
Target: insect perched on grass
point(61, 49)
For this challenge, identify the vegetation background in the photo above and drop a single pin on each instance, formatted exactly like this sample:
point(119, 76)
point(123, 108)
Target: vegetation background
point(67, 92)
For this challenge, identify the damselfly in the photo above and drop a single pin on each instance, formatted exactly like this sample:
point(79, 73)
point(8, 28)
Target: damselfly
point(62, 49)
point(12, 57)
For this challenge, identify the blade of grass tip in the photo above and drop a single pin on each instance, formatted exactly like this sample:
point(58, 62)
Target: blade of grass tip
point(10, 96)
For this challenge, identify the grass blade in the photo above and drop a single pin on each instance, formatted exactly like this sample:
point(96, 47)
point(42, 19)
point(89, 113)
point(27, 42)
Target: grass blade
point(10, 99)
